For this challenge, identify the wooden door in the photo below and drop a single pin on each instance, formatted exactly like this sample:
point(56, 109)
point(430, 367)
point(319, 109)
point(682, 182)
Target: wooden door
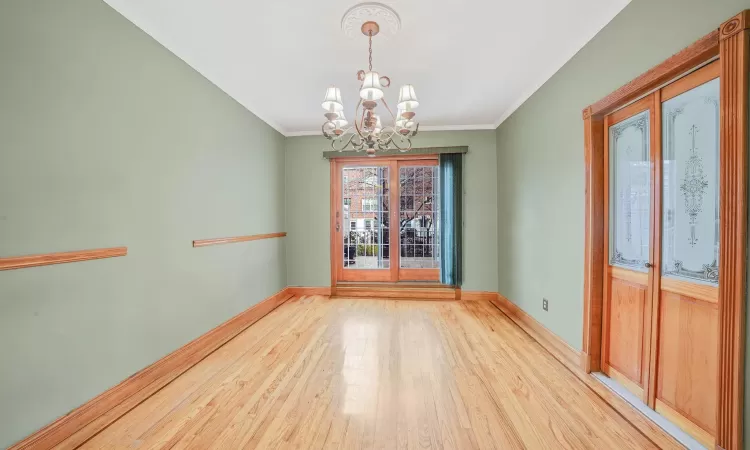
point(685, 332)
point(363, 214)
point(629, 224)
point(385, 214)
point(660, 309)
point(418, 216)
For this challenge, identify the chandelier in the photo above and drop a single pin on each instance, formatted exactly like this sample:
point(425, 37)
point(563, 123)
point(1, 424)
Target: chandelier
point(368, 133)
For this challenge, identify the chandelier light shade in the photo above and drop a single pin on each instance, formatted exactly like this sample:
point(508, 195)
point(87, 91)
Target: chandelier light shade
point(407, 98)
point(371, 88)
point(332, 101)
point(341, 121)
point(367, 132)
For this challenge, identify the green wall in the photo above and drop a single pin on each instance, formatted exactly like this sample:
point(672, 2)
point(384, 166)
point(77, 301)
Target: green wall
point(308, 207)
point(108, 139)
point(540, 155)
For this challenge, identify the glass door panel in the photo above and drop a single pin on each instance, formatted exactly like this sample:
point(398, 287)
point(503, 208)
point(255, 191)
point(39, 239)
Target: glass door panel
point(630, 192)
point(365, 240)
point(418, 218)
point(690, 133)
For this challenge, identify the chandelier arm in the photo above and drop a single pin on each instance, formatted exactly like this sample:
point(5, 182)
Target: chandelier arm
point(323, 130)
point(402, 149)
point(343, 147)
point(357, 118)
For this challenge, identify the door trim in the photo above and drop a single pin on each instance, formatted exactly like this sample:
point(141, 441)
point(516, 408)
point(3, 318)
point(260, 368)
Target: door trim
point(730, 42)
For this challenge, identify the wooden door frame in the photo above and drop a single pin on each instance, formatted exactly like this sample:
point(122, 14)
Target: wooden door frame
point(335, 192)
point(729, 44)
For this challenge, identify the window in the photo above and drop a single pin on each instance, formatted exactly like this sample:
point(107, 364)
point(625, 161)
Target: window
point(368, 224)
point(347, 202)
point(369, 204)
point(352, 224)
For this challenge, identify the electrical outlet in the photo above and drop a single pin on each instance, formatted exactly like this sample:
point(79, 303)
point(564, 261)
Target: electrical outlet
point(545, 304)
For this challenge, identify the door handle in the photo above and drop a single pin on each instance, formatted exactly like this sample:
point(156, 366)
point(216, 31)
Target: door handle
point(338, 227)
point(648, 265)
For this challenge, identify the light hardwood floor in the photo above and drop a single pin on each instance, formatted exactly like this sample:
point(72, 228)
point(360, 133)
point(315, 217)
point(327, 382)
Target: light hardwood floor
point(387, 374)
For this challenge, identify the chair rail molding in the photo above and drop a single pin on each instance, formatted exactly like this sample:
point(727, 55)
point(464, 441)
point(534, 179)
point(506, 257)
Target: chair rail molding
point(235, 239)
point(46, 259)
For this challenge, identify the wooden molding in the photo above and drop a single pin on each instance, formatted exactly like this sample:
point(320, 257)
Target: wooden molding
point(477, 295)
point(735, 25)
point(76, 427)
point(23, 262)
point(593, 155)
point(549, 340)
point(696, 54)
point(300, 291)
point(733, 57)
point(232, 240)
point(405, 293)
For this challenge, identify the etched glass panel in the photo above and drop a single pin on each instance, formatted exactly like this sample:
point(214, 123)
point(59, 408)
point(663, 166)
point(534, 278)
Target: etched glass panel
point(690, 128)
point(630, 192)
point(366, 218)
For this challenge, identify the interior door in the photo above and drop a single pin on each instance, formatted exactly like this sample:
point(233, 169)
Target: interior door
point(686, 304)
point(660, 310)
point(629, 193)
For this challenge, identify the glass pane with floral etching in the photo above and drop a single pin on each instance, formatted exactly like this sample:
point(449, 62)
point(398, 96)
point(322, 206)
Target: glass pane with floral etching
point(630, 192)
point(690, 151)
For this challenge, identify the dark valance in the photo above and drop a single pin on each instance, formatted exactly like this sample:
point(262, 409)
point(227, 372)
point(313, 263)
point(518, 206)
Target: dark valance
point(414, 151)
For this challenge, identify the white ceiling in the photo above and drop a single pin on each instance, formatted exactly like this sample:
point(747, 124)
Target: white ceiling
point(472, 62)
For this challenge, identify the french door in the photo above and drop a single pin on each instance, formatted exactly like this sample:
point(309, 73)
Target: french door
point(660, 317)
point(385, 219)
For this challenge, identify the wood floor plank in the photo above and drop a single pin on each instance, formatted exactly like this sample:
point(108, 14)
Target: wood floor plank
point(375, 374)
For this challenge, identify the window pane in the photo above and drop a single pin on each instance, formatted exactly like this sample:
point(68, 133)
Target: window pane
point(690, 129)
point(630, 192)
point(366, 211)
point(418, 217)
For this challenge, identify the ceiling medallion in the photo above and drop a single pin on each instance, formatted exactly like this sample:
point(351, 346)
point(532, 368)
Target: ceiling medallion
point(353, 19)
point(368, 133)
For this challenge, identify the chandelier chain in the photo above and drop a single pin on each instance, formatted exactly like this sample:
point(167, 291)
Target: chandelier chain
point(370, 34)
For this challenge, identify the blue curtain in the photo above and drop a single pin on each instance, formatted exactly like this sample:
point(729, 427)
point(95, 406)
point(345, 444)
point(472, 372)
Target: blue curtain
point(451, 219)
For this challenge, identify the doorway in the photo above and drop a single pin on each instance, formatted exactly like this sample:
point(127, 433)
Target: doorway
point(385, 219)
point(661, 277)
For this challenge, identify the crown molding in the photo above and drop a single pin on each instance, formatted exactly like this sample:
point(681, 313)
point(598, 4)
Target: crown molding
point(421, 128)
